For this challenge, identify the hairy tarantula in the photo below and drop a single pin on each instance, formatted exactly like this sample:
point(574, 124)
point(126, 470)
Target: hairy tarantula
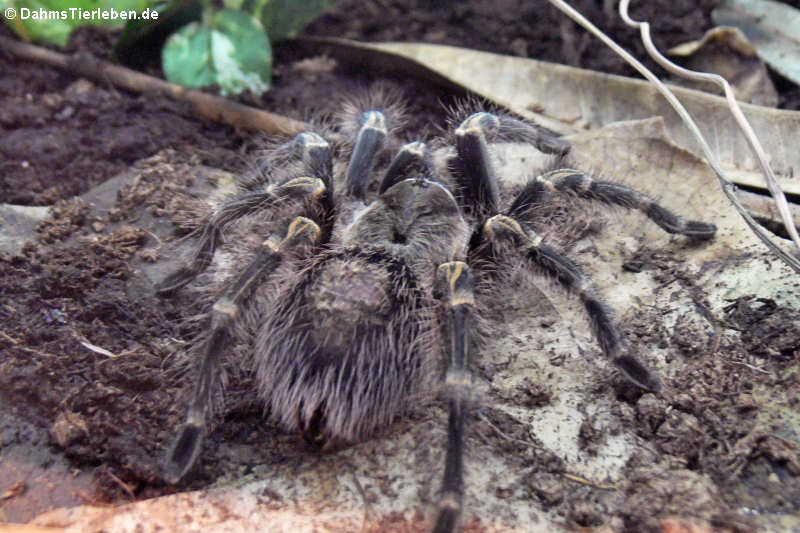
point(378, 282)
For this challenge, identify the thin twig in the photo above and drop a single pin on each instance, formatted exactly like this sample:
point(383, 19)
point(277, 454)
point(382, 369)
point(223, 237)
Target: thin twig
point(790, 443)
point(727, 187)
point(363, 493)
point(736, 111)
point(206, 105)
point(507, 437)
point(98, 349)
point(584, 481)
point(15, 490)
point(751, 367)
point(17, 345)
point(124, 486)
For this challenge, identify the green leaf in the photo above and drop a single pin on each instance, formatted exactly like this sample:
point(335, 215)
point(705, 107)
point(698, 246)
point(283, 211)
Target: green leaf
point(186, 57)
point(52, 21)
point(241, 52)
point(232, 51)
point(40, 20)
point(284, 18)
point(142, 40)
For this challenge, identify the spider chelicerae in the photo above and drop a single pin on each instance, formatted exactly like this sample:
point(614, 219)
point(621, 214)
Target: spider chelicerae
point(362, 283)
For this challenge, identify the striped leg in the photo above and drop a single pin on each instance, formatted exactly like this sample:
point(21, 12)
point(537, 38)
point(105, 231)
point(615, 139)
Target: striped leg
point(308, 147)
point(224, 313)
point(316, 187)
point(454, 287)
point(297, 189)
point(568, 274)
point(369, 141)
point(607, 192)
point(473, 168)
point(412, 157)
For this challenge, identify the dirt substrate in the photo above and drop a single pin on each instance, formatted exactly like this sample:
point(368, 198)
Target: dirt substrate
point(92, 359)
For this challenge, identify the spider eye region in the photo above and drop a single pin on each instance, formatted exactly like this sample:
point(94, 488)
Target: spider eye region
point(415, 197)
point(413, 219)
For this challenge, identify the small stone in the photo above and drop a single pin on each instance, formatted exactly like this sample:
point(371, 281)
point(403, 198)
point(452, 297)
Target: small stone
point(746, 402)
point(150, 255)
point(68, 428)
point(52, 100)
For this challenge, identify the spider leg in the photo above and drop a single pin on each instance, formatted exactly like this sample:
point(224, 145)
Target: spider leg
point(300, 188)
point(309, 147)
point(413, 156)
point(369, 141)
point(316, 186)
point(501, 228)
point(315, 153)
point(607, 192)
point(473, 168)
point(515, 130)
point(226, 309)
point(454, 287)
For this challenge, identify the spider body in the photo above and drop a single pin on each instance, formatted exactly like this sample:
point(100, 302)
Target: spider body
point(382, 297)
point(362, 308)
point(354, 312)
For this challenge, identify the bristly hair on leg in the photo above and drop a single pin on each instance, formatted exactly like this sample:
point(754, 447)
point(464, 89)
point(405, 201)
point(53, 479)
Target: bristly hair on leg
point(561, 217)
point(458, 113)
point(370, 122)
point(511, 128)
point(384, 98)
point(473, 167)
point(274, 159)
point(586, 189)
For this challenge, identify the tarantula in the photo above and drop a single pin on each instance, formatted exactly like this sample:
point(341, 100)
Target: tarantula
point(377, 283)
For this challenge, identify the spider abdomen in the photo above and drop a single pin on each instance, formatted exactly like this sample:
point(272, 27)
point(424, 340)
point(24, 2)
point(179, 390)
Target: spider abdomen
point(349, 347)
point(347, 294)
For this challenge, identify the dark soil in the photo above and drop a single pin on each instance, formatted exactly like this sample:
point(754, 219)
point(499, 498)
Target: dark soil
point(76, 284)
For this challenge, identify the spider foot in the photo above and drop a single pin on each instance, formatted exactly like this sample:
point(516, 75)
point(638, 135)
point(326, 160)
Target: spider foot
point(184, 452)
point(448, 513)
point(180, 278)
point(637, 373)
point(672, 223)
